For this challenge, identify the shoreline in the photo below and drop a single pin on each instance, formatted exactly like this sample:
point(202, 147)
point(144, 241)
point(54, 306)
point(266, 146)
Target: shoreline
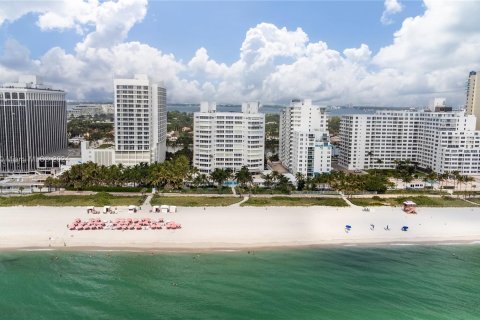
point(239, 229)
point(233, 248)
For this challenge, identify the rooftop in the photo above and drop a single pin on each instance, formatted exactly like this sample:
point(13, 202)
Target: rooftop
point(64, 153)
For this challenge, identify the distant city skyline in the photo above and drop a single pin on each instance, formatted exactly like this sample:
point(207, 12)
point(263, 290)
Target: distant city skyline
point(384, 53)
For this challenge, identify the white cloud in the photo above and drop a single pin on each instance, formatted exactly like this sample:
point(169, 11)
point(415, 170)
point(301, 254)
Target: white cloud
point(202, 65)
point(362, 54)
point(59, 14)
point(391, 7)
point(113, 21)
point(430, 55)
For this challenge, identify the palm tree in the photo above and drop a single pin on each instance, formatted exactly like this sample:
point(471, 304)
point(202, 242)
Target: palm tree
point(369, 155)
point(442, 177)
point(432, 176)
point(464, 179)
point(192, 173)
point(267, 180)
point(406, 178)
point(455, 175)
point(200, 180)
point(300, 181)
point(243, 176)
point(275, 178)
point(219, 176)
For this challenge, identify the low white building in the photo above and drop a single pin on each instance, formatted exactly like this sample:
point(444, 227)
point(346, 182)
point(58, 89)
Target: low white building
point(436, 138)
point(91, 110)
point(229, 139)
point(102, 157)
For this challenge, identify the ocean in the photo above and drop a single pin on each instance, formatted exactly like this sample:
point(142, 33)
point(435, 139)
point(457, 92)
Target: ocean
point(273, 109)
point(385, 282)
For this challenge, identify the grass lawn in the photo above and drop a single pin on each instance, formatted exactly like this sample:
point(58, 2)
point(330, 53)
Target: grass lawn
point(294, 201)
point(240, 190)
point(99, 199)
point(195, 201)
point(422, 201)
point(200, 190)
point(370, 202)
point(416, 191)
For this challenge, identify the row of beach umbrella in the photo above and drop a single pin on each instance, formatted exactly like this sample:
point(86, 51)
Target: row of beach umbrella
point(122, 224)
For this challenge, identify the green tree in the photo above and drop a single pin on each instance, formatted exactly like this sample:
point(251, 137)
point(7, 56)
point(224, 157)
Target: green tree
point(334, 125)
point(369, 155)
point(219, 176)
point(244, 177)
point(268, 180)
point(300, 181)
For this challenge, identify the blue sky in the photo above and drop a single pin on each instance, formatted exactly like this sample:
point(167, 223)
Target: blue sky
point(221, 26)
point(382, 52)
point(181, 27)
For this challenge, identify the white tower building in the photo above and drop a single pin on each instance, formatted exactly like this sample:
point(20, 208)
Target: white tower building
point(304, 139)
point(140, 120)
point(229, 139)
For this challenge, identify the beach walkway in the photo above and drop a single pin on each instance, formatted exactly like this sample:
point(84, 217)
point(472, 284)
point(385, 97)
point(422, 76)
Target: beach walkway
point(147, 201)
point(466, 200)
point(347, 201)
point(245, 198)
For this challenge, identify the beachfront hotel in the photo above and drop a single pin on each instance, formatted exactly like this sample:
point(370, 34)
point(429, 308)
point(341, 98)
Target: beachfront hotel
point(33, 119)
point(229, 140)
point(140, 124)
point(473, 96)
point(304, 139)
point(436, 138)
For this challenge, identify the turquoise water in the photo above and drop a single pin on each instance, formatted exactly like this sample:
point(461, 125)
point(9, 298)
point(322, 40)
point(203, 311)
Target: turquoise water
point(409, 282)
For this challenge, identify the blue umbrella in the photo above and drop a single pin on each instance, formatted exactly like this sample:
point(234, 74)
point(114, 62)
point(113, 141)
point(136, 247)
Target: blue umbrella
point(405, 228)
point(348, 226)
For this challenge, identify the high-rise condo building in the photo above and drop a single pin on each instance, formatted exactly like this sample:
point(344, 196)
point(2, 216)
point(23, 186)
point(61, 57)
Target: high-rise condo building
point(436, 138)
point(229, 139)
point(33, 123)
point(473, 97)
point(304, 139)
point(140, 120)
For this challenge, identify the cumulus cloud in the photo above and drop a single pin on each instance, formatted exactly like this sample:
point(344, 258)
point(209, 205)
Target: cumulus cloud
point(430, 55)
point(391, 7)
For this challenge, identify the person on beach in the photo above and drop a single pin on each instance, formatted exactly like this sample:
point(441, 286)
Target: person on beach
point(372, 227)
point(387, 228)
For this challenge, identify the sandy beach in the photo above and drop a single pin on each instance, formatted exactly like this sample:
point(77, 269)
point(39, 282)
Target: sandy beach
point(239, 227)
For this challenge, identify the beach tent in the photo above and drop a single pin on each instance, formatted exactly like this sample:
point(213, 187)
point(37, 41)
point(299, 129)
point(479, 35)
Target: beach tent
point(132, 208)
point(172, 209)
point(107, 209)
point(156, 208)
point(164, 208)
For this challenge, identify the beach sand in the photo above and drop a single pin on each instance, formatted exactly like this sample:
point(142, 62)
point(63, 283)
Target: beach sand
point(239, 227)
